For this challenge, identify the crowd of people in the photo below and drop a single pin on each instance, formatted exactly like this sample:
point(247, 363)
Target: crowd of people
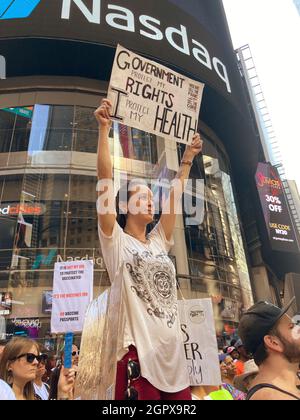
point(269, 334)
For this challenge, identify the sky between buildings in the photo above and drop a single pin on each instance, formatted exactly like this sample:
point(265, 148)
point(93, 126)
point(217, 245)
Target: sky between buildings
point(272, 29)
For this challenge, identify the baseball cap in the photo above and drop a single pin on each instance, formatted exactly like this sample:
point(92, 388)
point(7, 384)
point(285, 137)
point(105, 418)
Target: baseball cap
point(258, 321)
point(231, 350)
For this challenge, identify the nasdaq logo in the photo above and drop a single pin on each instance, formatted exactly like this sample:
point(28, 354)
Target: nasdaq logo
point(17, 9)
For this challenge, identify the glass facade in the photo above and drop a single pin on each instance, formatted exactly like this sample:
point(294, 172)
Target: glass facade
point(48, 213)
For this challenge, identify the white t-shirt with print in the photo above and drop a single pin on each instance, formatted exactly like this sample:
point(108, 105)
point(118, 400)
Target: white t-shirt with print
point(149, 297)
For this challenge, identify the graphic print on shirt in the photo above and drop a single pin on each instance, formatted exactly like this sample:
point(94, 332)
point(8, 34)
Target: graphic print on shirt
point(153, 278)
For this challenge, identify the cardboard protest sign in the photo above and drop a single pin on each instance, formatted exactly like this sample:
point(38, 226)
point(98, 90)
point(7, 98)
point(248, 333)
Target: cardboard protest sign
point(200, 342)
point(72, 293)
point(153, 98)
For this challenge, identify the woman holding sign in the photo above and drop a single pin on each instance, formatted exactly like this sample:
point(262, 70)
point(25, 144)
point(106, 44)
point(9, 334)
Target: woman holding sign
point(151, 354)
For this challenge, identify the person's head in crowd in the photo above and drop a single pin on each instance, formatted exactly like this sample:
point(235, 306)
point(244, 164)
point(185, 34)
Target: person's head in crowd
point(232, 352)
point(41, 368)
point(270, 334)
point(228, 368)
point(241, 350)
point(243, 382)
point(18, 366)
point(75, 355)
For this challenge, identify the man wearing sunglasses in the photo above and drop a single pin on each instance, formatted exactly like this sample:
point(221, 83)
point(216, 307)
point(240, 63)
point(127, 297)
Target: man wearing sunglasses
point(41, 389)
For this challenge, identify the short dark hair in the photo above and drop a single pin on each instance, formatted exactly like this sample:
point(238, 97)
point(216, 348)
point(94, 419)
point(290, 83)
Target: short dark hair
point(261, 354)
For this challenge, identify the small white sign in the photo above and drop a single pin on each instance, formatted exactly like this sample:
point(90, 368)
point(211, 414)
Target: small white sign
point(200, 342)
point(154, 98)
point(72, 293)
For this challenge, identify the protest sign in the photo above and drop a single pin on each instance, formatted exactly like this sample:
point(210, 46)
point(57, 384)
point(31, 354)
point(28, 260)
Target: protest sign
point(153, 98)
point(200, 342)
point(72, 293)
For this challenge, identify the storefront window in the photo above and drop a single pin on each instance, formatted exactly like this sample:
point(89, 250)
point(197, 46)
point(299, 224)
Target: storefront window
point(86, 131)
point(15, 127)
point(7, 122)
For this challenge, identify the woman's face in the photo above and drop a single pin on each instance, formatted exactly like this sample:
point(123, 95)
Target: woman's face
point(41, 369)
point(228, 368)
point(75, 355)
point(141, 204)
point(22, 369)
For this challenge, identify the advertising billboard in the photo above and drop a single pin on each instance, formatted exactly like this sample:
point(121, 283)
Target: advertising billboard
point(278, 220)
point(158, 30)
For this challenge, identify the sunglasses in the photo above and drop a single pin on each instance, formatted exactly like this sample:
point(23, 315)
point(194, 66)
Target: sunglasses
point(133, 374)
point(75, 353)
point(30, 357)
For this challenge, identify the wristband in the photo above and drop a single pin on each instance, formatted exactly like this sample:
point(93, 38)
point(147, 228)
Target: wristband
point(186, 162)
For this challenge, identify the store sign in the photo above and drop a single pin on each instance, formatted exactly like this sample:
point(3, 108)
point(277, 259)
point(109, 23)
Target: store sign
point(27, 323)
point(200, 342)
point(72, 293)
point(153, 98)
point(275, 207)
point(42, 259)
point(157, 29)
point(15, 209)
point(26, 112)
